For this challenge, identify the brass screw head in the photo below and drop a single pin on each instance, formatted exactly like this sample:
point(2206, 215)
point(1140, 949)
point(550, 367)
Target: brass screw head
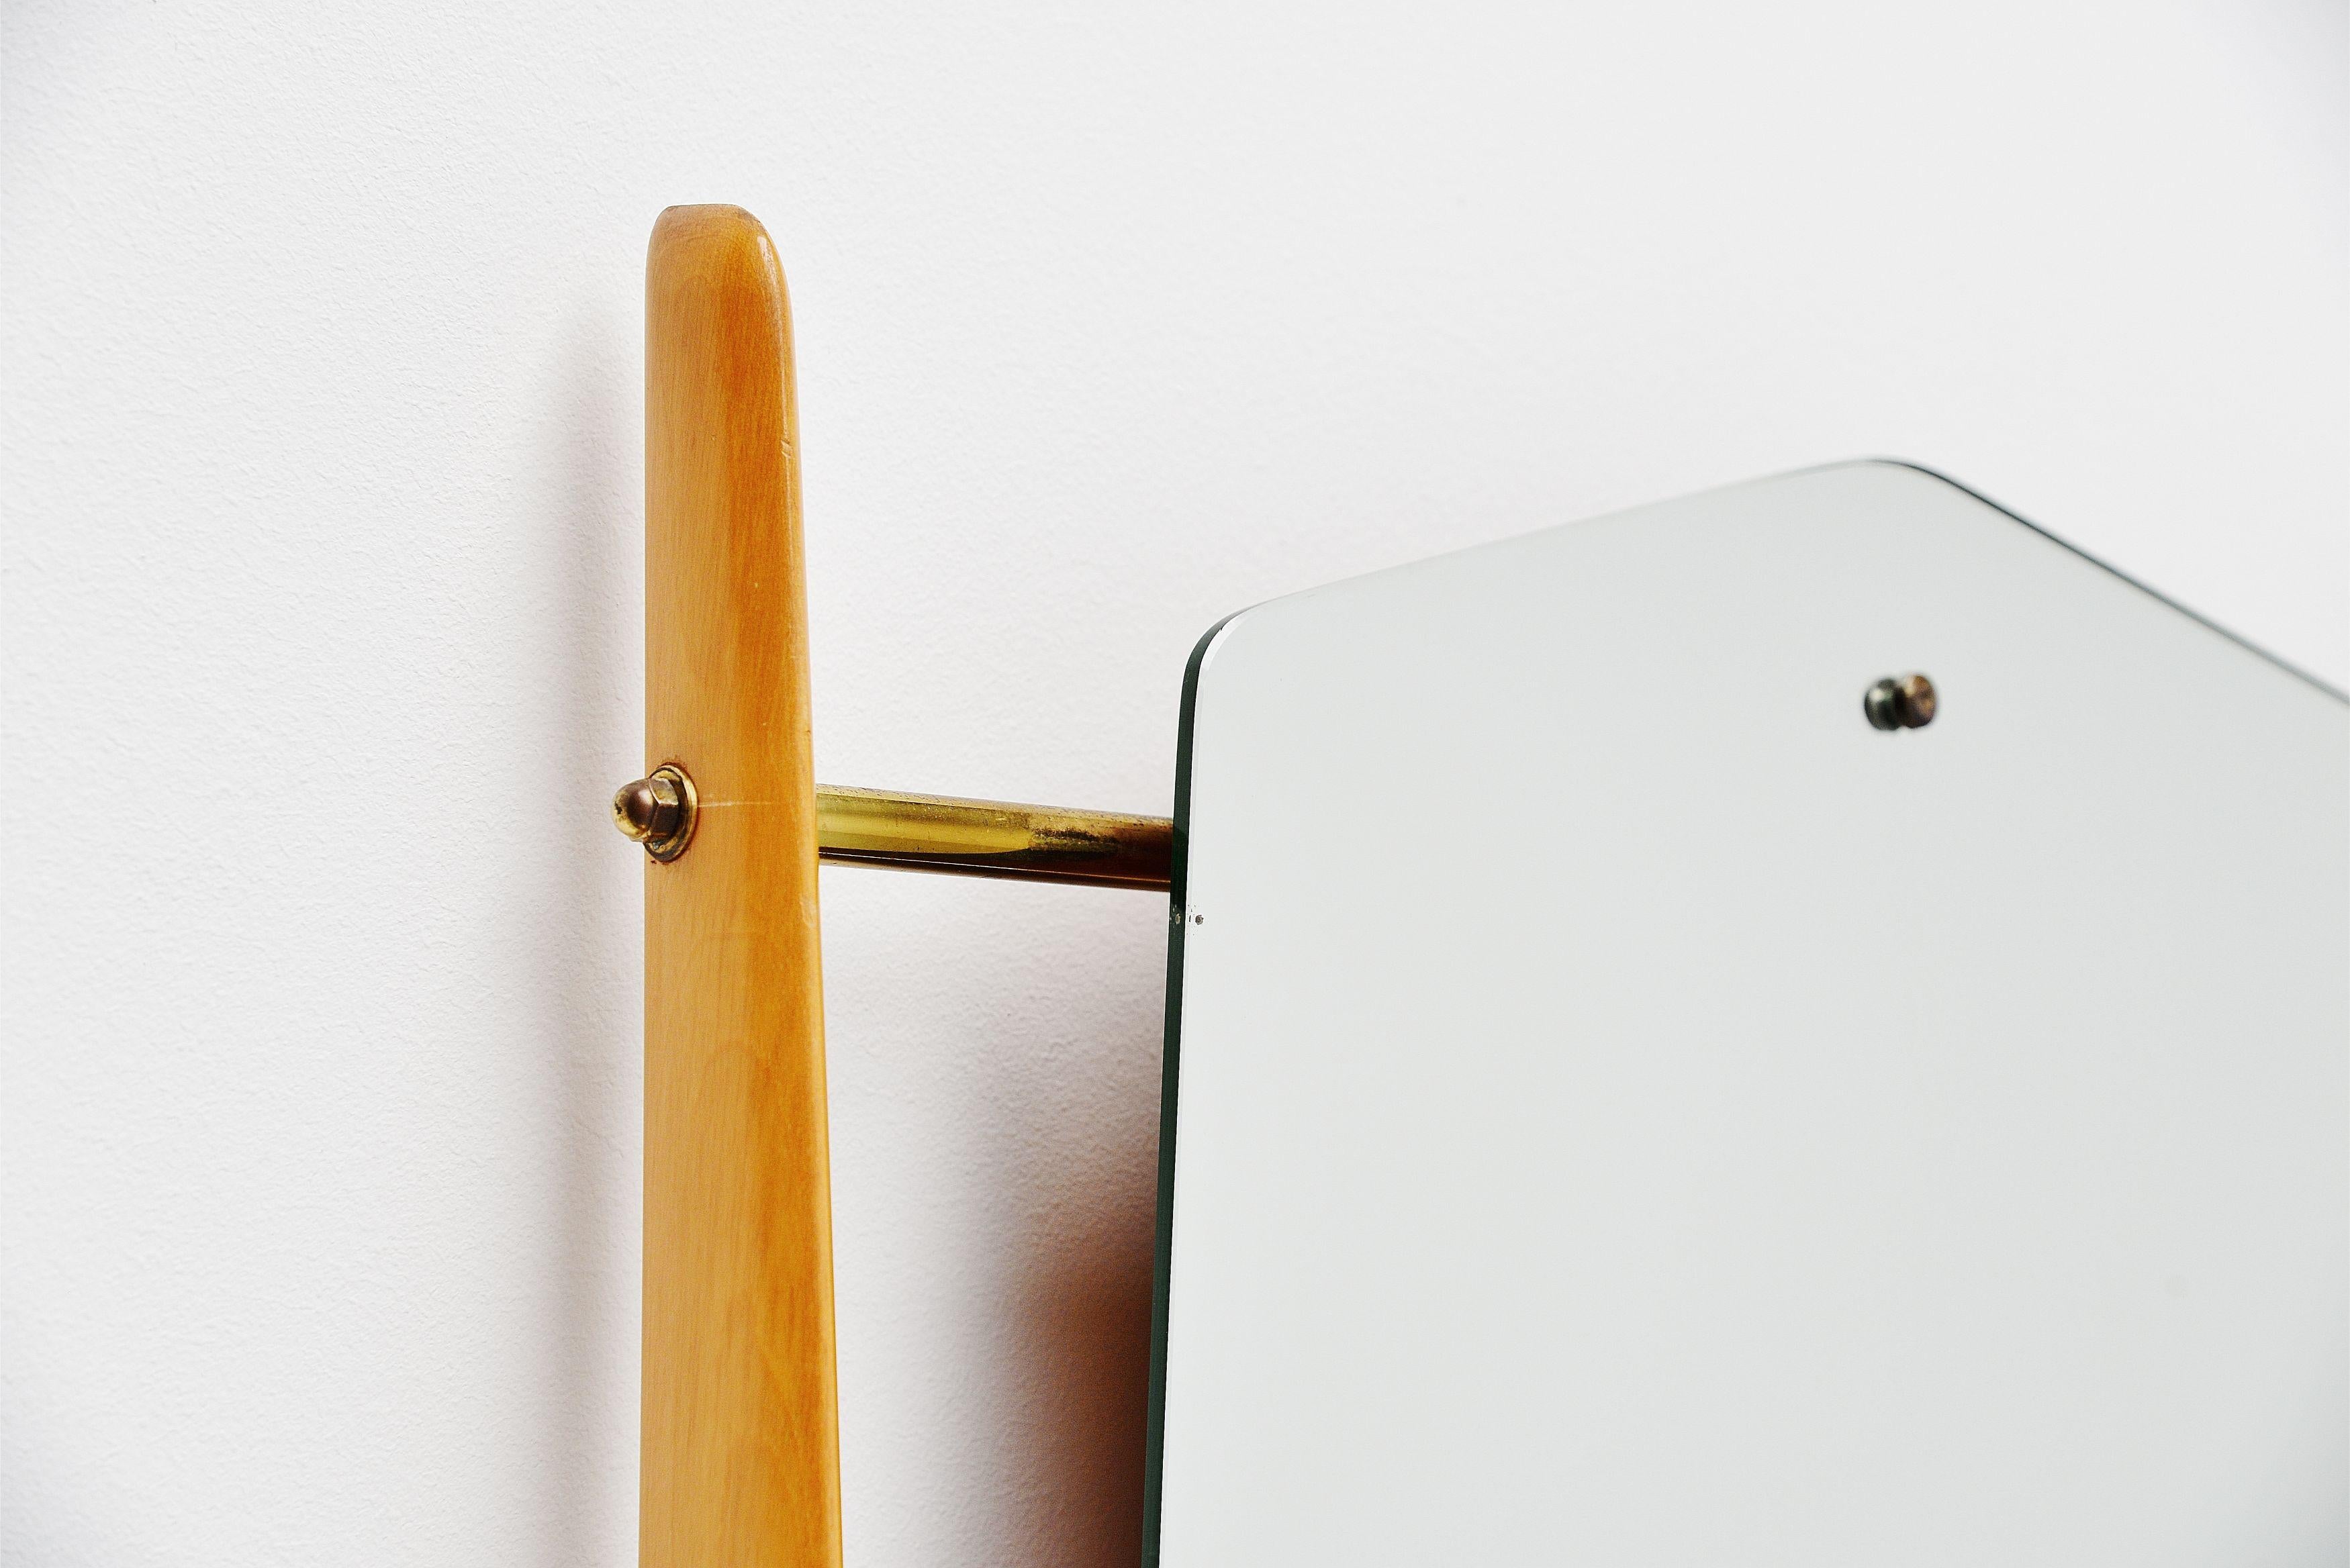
point(1900, 702)
point(658, 812)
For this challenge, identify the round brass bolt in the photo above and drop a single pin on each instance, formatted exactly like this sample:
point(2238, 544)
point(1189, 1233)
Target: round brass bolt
point(1900, 702)
point(658, 812)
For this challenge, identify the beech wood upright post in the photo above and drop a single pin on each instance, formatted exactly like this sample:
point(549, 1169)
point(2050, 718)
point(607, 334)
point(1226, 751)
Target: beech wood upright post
point(740, 1465)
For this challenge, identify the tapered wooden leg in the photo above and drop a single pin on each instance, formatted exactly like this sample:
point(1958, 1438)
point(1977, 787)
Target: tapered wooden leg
point(741, 1455)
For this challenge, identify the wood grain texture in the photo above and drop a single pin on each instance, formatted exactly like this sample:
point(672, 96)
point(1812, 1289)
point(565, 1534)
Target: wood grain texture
point(741, 1453)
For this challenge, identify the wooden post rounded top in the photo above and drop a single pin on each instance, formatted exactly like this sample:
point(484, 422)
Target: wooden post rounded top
point(710, 223)
point(724, 254)
point(724, 246)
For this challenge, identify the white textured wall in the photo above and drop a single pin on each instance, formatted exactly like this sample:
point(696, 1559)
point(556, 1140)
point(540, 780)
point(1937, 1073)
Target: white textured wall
point(322, 585)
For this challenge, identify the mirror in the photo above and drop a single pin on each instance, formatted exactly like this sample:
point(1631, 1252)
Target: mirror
point(1625, 1106)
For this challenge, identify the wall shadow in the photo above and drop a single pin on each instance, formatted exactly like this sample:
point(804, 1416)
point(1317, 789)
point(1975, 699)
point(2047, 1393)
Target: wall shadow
point(1081, 1309)
point(589, 946)
point(1085, 1319)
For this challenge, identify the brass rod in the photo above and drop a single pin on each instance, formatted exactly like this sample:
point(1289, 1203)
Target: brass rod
point(992, 838)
